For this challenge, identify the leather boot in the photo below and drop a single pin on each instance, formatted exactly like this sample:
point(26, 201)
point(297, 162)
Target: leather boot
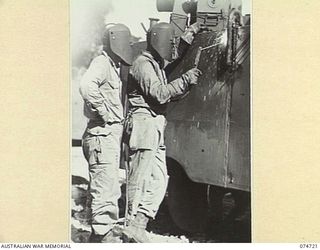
point(136, 230)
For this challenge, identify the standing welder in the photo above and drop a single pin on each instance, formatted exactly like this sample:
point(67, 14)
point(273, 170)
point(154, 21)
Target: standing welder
point(100, 88)
point(148, 94)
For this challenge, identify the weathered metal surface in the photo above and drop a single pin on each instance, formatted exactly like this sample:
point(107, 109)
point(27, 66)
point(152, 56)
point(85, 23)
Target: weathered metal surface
point(208, 132)
point(196, 129)
point(239, 141)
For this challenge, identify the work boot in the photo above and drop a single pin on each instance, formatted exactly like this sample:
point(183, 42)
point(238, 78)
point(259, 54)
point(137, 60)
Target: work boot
point(136, 230)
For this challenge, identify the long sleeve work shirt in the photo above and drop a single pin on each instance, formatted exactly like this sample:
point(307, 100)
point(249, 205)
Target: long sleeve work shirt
point(148, 85)
point(100, 89)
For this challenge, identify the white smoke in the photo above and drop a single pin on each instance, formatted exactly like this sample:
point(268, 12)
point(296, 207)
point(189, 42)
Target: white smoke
point(86, 27)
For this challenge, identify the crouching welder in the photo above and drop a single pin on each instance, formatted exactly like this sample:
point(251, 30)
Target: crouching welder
point(148, 94)
point(100, 88)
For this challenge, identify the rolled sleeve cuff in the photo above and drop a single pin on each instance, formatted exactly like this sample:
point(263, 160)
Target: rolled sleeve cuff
point(178, 88)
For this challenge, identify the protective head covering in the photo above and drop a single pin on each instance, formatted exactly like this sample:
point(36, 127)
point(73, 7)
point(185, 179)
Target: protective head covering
point(116, 41)
point(161, 39)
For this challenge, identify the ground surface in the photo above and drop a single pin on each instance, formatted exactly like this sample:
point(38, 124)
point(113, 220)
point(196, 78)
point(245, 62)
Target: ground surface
point(163, 229)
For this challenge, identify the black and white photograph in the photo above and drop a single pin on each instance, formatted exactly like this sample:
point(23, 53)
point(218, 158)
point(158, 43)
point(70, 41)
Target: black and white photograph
point(161, 121)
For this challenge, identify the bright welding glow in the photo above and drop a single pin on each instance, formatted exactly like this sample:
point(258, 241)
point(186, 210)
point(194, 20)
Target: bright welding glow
point(224, 38)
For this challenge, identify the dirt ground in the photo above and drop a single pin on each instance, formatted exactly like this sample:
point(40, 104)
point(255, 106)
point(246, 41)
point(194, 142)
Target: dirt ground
point(163, 229)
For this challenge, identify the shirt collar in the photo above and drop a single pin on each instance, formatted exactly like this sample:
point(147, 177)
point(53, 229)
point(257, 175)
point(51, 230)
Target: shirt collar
point(151, 57)
point(114, 65)
point(148, 54)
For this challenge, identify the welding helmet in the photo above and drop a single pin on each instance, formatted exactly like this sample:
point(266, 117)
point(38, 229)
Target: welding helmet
point(161, 39)
point(116, 41)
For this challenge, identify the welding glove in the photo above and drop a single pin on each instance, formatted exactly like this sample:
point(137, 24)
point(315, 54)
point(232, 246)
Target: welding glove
point(192, 30)
point(192, 75)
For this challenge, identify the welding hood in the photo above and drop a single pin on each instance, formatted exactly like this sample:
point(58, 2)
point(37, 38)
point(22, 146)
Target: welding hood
point(116, 40)
point(161, 39)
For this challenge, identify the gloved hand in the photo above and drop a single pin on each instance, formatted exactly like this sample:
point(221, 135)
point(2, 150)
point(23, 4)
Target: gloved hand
point(196, 27)
point(192, 76)
point(192, 30)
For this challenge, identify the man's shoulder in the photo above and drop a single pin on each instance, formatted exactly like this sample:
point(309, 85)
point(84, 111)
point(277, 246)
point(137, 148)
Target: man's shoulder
point(98, 64)
point(100, 60)
point(143, 59)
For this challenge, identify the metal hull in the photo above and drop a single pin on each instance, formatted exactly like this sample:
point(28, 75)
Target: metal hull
point(208, 131)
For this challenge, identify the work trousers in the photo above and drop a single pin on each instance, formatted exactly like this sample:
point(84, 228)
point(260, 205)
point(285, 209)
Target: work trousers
point(148, 177)
point(101, 148)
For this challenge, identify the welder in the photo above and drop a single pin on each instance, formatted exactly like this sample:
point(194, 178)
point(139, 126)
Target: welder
point(101, 89)
point(148, 94)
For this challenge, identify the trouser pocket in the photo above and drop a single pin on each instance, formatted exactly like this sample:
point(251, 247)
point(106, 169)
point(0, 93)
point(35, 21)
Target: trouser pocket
point(98, 149)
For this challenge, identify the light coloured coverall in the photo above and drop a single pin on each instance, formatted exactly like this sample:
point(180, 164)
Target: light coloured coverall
point(100, 88)
point(148, 96)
